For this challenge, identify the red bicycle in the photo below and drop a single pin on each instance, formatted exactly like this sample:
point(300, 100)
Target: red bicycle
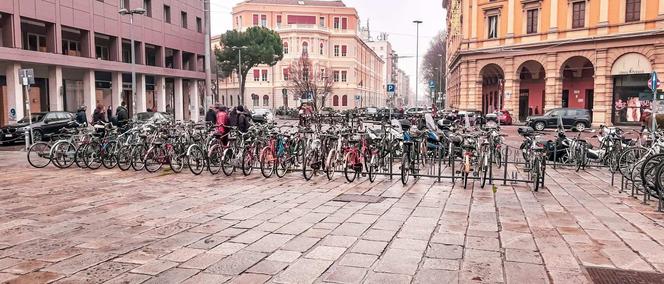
point(360, 156)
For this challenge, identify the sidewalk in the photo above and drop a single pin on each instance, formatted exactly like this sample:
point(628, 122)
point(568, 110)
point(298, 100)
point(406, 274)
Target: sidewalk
point(81, 226)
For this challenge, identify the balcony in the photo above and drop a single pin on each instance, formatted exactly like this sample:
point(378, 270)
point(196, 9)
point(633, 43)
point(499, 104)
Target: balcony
point(299, 27)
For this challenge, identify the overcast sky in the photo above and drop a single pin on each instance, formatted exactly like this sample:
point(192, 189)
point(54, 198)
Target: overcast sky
point(392, 16)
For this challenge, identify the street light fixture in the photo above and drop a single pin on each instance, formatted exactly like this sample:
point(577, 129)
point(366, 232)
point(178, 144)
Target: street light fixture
point(417, 59)
point(131, 13)
point(239, 70)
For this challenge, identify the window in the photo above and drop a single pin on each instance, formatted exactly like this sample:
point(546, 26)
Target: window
point(125, 4)
point(335, 100)
point(336, 50)
point(336, 22)
point(344, 23)
point(278, 20)
point(257, 75)
point(322, 74)
point(254, 99)
point(336, 76)
point(632, 10)
point(167, 14)
point(321, 48)
point(263, 21)
point(493, 27)
point(286, 74)
point(321, 22)
point(305, 74)
point(344, 75)
point(70, 47)
point(301, 20)
point(344, 100)
point(285, 47)
point(264, 75)
point(147, 5)
point(305, 48)
point(344, 50)
point(102, 52)
point(35, 43)
point(199, 25)
point(266, 100)
point(255, 20)
point(531, 21)
point(579, 14)
point(183, 19)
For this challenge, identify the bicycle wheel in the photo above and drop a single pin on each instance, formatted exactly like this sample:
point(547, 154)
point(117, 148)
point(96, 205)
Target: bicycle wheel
point(153, 159)
point(78, 156)
point(214, 158)
point(196, 160)
point(535, 173)
point(137, 156)
point(581, 157)
point(349, 166)
point(248, 161)
point(227, 162)
point(659, 180)
point(497, 157)
point(283, 165)
point(405, 167)
point(331, 164)
point(39, 155)
point(465, 171)
point(310, 159)
point(373, 167)
point(123, 157)
point(483, 167)
point(176, 159)
point(92, 155)
point(628, 158)
point(267, 162)
point(648, 170)
point(63, 154)
point(108, 158)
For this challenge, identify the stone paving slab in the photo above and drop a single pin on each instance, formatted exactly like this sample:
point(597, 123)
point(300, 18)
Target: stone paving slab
point(109, 226)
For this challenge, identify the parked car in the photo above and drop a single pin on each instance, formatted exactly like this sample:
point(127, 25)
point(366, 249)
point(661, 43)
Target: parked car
point(505, 117)
point(415, 110)
point(576, 119)
point(473, 116)
point(262, 115)
point(44, 124)
point(153, 116)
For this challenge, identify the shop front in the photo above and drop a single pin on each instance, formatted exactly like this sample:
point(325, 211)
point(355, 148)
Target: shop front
point(631, 95)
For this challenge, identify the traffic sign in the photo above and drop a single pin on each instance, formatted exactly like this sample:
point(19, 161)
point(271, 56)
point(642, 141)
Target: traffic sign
point(391, 88)
point(653, 82)
point(357, 97)
point(27, 76)
point(432, 84)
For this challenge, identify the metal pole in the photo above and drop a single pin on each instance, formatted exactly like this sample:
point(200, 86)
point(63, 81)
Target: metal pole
point(208, 46)
point(26, 95)
point(133, 62)
point(417, 60)
point(239, 73)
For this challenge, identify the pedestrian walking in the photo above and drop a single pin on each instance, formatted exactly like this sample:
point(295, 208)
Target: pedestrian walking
point(242, 120)
point(122, 114)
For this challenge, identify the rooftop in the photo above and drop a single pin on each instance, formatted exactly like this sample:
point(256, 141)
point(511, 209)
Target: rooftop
point(327, 3)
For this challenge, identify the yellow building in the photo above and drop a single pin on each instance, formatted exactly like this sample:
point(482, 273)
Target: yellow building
point(531, 56)
point(328, 31)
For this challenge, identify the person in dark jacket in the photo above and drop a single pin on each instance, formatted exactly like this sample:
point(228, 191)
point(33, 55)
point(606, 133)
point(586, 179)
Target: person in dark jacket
point(109, 114)
point(98, 115)
point(211, 115)
point(122, 114)
point(242, 120)
point(233, 117)
point(81, 116)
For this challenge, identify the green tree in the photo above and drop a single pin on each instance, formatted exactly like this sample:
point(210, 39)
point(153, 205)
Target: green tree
point(258, 45)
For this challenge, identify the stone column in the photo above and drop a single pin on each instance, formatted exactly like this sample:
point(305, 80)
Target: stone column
point(14, 92)
point(602, 96)
point(178, 104)
point(194, 100)
point(475, 90)
point(116, 90)
point(140, 93)
point(510, 19)
point(551, 94)
point(55, 97)
point(510, 84)
point(160, 91)
point(89, 95)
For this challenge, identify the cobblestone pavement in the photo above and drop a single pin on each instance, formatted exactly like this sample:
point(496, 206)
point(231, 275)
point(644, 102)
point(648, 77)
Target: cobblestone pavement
point(81, 226)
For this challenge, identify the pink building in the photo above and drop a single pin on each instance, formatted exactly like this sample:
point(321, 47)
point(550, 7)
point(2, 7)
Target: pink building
point(81, 55)
point(328, 32)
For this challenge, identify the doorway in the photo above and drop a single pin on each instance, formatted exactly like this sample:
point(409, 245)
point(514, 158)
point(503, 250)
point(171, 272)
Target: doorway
point(524, 110)
point(565, 98)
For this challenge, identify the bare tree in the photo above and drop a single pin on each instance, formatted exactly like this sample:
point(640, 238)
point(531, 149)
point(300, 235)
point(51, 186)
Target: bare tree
point(305, 80)
point(434, 65)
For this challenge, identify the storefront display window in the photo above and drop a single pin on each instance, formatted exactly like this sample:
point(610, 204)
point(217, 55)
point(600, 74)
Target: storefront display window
point(631, 97)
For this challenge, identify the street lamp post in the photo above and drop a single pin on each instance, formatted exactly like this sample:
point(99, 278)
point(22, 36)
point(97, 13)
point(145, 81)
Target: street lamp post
point(417, 59)
point(239, 71)
point(440, 82)
point(131, 13)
